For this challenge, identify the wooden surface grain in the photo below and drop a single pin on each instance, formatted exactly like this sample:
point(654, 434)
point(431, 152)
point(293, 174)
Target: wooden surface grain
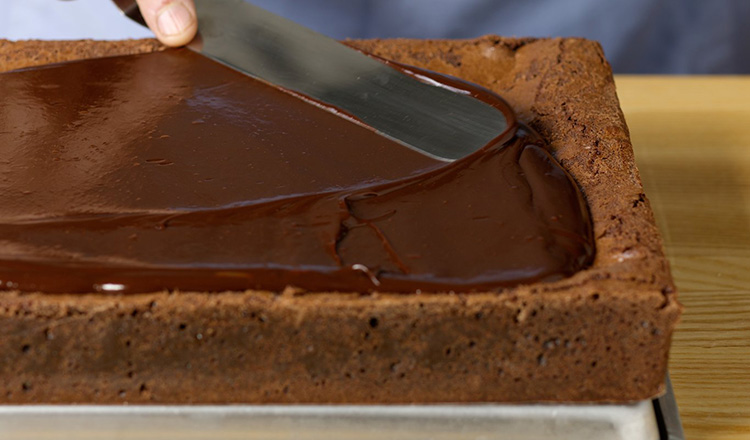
point(691, 137)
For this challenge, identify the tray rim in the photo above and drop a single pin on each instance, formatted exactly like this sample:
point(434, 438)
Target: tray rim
point(663, 410)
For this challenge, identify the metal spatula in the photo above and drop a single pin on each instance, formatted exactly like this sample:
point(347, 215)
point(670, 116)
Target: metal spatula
point(429, 118)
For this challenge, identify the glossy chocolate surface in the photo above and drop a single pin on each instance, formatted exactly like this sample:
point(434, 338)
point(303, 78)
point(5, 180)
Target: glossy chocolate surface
point(170, 171)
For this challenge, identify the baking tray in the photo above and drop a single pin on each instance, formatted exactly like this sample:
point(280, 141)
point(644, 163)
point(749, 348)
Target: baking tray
point(647, 420)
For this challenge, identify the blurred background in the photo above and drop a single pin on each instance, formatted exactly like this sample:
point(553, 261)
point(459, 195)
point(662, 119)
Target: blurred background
point(638, 36)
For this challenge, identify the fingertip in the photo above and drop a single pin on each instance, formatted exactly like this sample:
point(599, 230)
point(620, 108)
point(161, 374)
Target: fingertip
point(175, 23)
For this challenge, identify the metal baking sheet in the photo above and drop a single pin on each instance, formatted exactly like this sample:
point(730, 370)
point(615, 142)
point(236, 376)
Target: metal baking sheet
point(647, 420)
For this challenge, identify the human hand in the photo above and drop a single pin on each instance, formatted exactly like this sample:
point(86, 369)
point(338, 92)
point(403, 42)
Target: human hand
point(173, 21)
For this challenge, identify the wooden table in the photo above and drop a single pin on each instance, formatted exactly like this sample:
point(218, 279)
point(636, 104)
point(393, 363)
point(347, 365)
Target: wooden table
point(691, 137)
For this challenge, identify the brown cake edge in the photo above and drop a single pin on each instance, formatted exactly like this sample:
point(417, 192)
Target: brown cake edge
point(600, 335)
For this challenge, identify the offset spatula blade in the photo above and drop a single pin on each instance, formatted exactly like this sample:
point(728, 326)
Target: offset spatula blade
point(434, 120)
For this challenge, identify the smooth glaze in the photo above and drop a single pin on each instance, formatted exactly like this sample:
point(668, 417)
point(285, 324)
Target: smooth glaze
point(170, 171)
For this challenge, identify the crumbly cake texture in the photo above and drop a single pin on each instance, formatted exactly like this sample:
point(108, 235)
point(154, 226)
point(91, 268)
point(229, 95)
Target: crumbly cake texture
point(601, 335)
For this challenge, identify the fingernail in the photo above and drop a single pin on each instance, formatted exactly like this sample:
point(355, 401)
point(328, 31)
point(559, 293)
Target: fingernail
point(174, 19)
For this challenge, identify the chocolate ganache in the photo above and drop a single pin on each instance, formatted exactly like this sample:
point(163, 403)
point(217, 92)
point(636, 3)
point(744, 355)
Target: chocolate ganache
point(170, 171)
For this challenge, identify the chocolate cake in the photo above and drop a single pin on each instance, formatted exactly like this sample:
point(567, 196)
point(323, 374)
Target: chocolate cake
point(143, 304)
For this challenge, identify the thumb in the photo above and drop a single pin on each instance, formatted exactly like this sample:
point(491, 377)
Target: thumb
point(173, 21)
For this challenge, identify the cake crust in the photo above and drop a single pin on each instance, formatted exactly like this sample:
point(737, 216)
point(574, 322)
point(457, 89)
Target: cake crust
point(601, 335)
